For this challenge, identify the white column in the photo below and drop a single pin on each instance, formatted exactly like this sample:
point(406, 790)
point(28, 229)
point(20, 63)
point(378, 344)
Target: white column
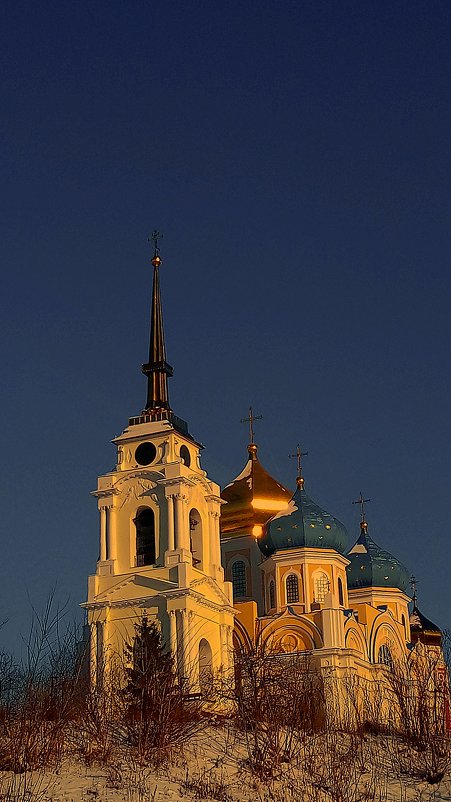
point(102, 534)
point(173, 635)
point(305, 577)
point(186, 529)
point(107, 532)
point(182, 543)
point(224, 654)
point(178, 521)
point(217, 540)
point(211, 536)
point(229, 642)
point(171, 536)
point(184, 651)
point(93, 653)
point(112, 533)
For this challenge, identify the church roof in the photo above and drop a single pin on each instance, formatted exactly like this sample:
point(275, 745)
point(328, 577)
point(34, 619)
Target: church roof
point(372, 566)
point(420, 624)
point(251, 499)
point(303, 524)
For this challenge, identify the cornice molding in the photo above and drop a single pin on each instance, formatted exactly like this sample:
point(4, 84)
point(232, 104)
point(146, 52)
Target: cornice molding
point(150, 601)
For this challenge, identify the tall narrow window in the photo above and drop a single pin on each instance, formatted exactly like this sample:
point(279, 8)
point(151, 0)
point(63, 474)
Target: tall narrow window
point(145, 537)
point(385, 656)
point(239, 579)
point(321, 587)
point(292, 589)
point(340, 592)
point(272, 594)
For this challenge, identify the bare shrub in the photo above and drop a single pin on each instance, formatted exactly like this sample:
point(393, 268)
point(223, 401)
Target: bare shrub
point(25, 787)
point(277, 699)
point(96, 734)
point(206, 785)
point(39, 699)
point(339, 768)
point(419, 690)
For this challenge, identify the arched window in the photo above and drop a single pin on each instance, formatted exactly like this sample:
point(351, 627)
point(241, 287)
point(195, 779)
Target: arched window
point(185, 456)
point(340, 592)
point(403, 621)
point(205, 660)
point(292, 589)
point(321, 586)
point(272, 594)
point(145, 537)
point(239, 579)
point(385, 656)
point(195, 532)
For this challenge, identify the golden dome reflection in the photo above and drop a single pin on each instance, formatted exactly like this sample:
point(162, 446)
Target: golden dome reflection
point(251, 499)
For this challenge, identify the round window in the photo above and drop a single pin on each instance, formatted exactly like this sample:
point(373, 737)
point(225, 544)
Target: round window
point(145, 453)
point(185, 456)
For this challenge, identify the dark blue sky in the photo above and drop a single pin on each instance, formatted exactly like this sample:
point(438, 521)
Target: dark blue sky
point(297, 157)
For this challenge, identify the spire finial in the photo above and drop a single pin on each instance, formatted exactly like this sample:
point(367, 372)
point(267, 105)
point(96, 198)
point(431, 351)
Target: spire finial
point(298, 456)
point(363, 522)
point(156, 259)
point(413, 585)
point(252, 447)
point(157, 369)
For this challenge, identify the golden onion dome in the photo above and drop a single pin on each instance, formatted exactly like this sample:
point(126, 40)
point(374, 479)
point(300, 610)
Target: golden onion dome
point(251, 499)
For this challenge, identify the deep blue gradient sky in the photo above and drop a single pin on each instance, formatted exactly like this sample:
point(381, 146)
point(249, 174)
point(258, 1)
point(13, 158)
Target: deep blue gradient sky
point(297, 157)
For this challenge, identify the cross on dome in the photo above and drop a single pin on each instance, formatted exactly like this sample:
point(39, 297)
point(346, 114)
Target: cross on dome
point(298, 456)
point(413, 585)
point(362, 501)
point(252, 448)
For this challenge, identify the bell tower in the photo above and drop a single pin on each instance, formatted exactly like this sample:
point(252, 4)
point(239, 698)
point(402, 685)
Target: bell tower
point(159, 535)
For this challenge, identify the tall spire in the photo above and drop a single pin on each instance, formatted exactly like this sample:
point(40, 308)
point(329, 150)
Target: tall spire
point(157, 369)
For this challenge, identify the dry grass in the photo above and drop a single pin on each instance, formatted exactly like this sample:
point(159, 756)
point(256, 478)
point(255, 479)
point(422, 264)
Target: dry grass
point(280, 734)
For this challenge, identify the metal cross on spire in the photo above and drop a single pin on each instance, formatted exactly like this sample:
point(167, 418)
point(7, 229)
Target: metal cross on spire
point(413, 585)
point(252, 448)
point(154, 238)
point(362, 501)
point(298, 456)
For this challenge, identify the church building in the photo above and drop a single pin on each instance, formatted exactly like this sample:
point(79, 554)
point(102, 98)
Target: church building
point(219, 572)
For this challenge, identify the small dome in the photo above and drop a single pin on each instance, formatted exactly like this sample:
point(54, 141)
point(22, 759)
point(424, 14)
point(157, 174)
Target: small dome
point(371, 566)
point(422, 629)
point(303, 524)
point(251, 499)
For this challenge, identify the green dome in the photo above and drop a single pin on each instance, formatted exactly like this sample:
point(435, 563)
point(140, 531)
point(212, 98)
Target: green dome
point(371, 566)
point(303, 524)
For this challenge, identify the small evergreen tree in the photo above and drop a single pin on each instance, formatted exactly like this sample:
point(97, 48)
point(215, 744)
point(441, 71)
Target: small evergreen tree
point(158, 715)
point(149, 671)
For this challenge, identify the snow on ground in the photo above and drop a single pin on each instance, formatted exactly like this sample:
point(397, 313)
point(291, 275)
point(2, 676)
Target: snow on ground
point(212, 766)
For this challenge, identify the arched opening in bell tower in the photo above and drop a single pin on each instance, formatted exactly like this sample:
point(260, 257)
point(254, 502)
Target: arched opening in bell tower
point(196, 541)
point(145, 537)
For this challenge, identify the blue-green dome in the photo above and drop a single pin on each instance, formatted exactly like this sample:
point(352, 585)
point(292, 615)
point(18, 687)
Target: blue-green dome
point(371, 566)
point(303, 524)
